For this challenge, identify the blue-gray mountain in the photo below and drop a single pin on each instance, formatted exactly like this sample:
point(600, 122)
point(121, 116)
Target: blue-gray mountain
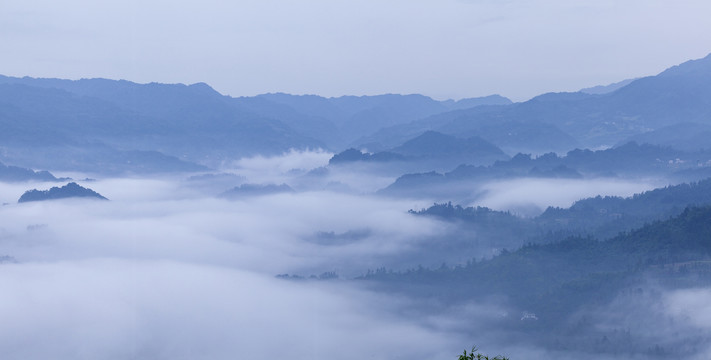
point(549, 294)
point(64, 122)
point(9, 173)
point(630, 160)
point(60, 124)
point(601, 217)
point(681, 94)
point(71, 190)
point(606, 89)
point(430, 151)
point(688, 136)
point(345, 119)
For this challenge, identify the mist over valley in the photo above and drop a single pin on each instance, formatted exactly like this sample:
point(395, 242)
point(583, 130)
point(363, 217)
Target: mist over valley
point(171, 221)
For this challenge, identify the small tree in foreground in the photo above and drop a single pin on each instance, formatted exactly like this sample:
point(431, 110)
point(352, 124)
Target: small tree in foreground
point(479, 356)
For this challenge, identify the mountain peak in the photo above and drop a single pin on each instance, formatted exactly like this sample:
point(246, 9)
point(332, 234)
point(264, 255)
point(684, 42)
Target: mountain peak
point(433, 142)
point(71, 190)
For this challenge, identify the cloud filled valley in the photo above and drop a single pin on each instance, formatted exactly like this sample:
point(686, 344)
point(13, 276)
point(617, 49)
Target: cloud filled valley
point(150, 276)
point(168, 269)
point(169, 221)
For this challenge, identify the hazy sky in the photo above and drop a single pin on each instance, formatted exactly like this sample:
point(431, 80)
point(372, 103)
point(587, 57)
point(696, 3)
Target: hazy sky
point(444, 49)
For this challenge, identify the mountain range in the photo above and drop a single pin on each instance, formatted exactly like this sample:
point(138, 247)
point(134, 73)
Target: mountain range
point(72, 124)
point(562, 121)
point(64, 121)
point(629, 161)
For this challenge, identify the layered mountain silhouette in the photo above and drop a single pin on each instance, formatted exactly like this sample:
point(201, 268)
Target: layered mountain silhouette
point(188, 123)
point(345, 119)
point(430, 150)
point(114, 126)
point(9, 173)
point(681, 94)
point(627, 161)
point(68, 120)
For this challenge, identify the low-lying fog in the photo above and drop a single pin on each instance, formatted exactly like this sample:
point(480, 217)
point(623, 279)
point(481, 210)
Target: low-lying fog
point(167, 270)
point(530, 197)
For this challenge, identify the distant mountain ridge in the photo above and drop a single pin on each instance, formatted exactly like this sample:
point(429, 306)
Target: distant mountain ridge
point(63, 122)
point(606, 89)
point(194, 123)
point(681, 94)
point(9, 173)
point(357, 116)
point(631, 160)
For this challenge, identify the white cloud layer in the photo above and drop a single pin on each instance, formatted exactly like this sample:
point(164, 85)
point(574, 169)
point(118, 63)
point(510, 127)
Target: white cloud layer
point(160, 272)
point(164, 271)
point(119, 309)
point(278, 169)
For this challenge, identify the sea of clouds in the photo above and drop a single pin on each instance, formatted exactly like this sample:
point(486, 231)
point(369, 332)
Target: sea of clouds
point(169, 270)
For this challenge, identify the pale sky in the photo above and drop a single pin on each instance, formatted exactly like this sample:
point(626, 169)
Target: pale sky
point(440, 48)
